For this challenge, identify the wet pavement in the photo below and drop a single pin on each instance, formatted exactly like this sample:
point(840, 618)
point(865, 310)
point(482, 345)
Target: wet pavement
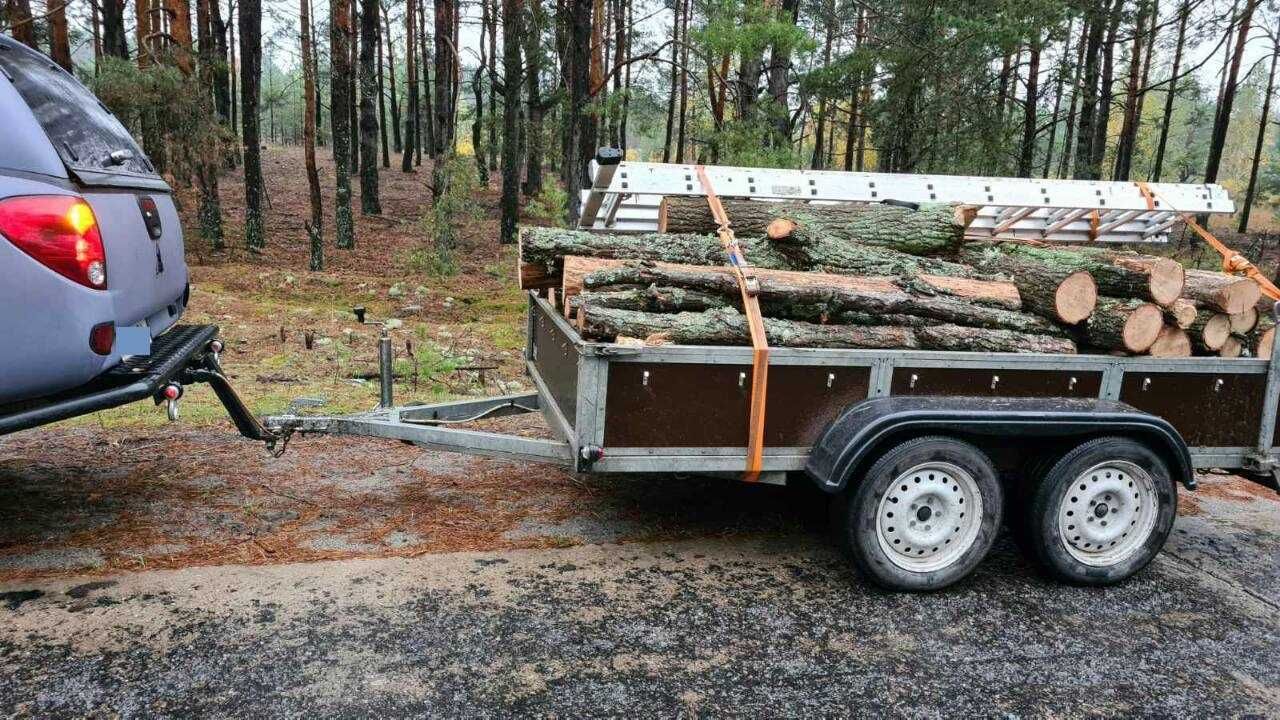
point(770, 622)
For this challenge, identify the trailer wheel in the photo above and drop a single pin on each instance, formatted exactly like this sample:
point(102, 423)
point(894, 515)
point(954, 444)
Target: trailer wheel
point(1102, 512)
point(924, 516)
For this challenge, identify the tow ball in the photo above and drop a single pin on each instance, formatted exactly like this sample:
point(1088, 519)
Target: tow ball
point(169, 395)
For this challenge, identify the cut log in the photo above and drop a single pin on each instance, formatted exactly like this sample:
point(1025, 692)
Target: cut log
point(1171, 341)
point(1123, 324)
point(729, 327)
point(1116, 274)
point(821, 298)
point(1181, 312)
point(813, 246)
point(1263, 338)
point(1066, 295)
point(651, 299)
point(542, 251)
point(1222, 292)
point(1232, 348)
point(1245, 321)
point(1209, 330)
point(931, 228)
point(993, 293)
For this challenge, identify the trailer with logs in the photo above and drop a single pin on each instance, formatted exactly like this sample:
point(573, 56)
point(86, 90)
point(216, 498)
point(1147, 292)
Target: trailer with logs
point(941, 366)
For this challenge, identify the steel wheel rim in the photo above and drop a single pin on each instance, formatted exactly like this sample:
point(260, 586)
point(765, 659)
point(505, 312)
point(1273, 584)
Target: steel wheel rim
point(1108, 513)
point(929, 517)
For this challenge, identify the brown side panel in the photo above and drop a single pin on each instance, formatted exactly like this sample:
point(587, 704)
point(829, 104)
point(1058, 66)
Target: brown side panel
point(969, 382)
point(556, 359)
point(697, 405)
point(1205, 412)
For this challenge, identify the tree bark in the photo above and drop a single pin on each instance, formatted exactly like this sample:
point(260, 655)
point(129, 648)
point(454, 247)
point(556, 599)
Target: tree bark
point(21, 25)
point(932, 228)
point(512, 11)
point(1105, 90)
point(315, 234)
point(1117, 274)
point(533, 98)
point(1068, 130)
point(729, 327)
point(370, 204)
point(815, 297)
point(250, 26)
point(1083, 168)
point(1129, 129)
point(1030, 114)
point(675, 77)
point(114, 43)
point(340, 71)
point(411, 89)
point(382, 99)
point(397, 142)
point(59, 40)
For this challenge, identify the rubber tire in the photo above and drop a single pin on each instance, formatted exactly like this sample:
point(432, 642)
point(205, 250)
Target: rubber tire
point(1047, 544)
point(856, 509)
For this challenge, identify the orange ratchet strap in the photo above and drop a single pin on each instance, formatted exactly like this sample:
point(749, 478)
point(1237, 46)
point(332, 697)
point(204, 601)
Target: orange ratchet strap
point(750, 287)
point(1232, 261)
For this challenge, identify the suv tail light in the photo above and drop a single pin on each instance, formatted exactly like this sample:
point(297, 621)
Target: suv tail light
point(61, 232)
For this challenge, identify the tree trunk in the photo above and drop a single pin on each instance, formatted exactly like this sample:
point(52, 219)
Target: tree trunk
point(932, 228)
point(779, 79)
point(340, 71)
point(1221, 292)
point(397, 142)
point(729, 327)
point(250, 26)
point(1057, 102)
point(1105, 90)
point(1068, 130)
point(1129, 129)
point(1223, 119)
point(21, 24)
point(1083, 169)
point(477, 126)
point(208, 155)
point(675, 78)
point(684, 80)
point(369, 25)
point(1030, 114)
point(59, 40)
point(533, 97)
point(411, 89)
point(512, 12)
point(492, 147)
point(315, 234)
point(1184, 12)
point(579, 130)
point(1257, 146)
point(114, 43)
point(382, 101)
point(445, 17)
point(1127, 324)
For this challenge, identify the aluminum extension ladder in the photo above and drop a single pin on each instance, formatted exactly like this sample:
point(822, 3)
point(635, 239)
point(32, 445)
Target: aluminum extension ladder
point(625, 197)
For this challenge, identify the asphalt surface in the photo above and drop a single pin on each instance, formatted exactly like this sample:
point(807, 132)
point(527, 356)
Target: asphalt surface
point(771, 624)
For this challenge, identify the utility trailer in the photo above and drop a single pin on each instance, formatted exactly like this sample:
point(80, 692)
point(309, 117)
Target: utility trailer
point(925, 454)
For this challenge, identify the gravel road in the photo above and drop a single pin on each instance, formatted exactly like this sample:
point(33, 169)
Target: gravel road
point(771, 624)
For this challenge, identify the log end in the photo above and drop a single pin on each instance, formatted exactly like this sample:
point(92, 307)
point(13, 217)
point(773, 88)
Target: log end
point(780, 228)
point(1182, 312)
point(1240, 296)
point(1215, 332)
point(1075, 297)
point(1244, 322)
point(1143, 328)
point(1171, 342)
point(1168, 278)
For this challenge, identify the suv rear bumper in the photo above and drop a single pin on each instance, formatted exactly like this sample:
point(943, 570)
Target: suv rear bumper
point(138, 378)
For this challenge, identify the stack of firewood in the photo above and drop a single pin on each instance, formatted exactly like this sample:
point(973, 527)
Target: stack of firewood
point(885, 276)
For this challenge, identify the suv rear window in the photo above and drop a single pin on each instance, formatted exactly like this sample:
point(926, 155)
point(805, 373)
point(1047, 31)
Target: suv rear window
point(86, 135)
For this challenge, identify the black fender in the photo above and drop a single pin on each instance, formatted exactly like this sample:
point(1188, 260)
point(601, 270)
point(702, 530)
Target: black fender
point(860, 433)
